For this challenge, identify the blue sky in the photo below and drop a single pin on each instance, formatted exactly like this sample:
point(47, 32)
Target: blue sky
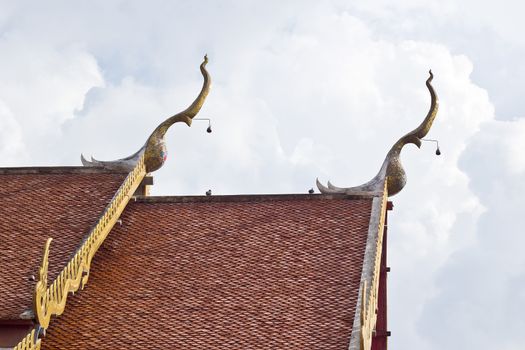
point(304, 89)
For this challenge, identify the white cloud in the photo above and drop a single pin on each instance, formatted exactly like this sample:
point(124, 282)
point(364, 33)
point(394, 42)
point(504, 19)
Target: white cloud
point(11, 143)
point(481, 286)
point(43, 86)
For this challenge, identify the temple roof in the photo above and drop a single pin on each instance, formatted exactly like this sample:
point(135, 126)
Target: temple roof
point(249, 271)
point(37, 203)
point(256, 271)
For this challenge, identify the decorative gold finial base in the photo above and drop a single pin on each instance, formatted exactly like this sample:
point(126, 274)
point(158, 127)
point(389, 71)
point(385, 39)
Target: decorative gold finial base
point(154, 150)
point(392, 169)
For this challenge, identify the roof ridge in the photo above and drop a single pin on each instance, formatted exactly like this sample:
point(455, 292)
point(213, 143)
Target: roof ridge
point(38, 170)
point(251, 197)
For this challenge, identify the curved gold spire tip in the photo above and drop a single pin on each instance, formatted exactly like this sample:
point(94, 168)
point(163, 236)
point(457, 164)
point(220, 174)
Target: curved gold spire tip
point(392, 170)
point(154, 150)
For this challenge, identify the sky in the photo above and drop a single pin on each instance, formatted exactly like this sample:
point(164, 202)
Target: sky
point(304, 89)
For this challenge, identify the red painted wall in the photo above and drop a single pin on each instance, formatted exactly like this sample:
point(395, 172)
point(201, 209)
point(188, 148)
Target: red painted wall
point(11, 332)
point(380, 339)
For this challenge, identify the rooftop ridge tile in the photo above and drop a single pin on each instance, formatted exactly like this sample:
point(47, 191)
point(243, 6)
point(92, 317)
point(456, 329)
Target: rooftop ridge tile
point(250, 198)
point(45, 170)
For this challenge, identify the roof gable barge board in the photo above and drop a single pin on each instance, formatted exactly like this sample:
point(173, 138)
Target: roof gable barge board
point(365, 316)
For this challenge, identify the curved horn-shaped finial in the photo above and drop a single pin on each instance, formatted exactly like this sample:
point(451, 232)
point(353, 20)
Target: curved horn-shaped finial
point(422, 130)
point(392, 170)
point(154, 149)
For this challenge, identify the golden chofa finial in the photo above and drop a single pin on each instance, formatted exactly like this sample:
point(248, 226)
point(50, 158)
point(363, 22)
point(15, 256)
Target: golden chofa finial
point(154, 149)
point(392, 170)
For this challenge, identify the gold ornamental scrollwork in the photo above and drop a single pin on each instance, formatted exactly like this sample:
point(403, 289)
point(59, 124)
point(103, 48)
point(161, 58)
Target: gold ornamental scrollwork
point(51, 300)
point(30, 342)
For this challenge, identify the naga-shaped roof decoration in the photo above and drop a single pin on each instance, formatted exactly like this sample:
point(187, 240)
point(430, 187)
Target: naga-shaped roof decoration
point(392, 170)
point(154, 150)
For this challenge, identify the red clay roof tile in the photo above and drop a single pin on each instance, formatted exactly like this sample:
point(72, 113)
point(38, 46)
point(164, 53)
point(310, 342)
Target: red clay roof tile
point(37, 203)
point(262, 273)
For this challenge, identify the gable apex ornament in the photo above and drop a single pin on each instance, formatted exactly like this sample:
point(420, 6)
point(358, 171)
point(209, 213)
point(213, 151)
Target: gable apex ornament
point(154, 150)
point(392, 170)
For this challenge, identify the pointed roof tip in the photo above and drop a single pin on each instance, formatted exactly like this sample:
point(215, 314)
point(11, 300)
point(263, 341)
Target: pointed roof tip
point(320, 186)
point(431, 76)
point(83, 160)
point(392, 170)
point(154, 149)
point(326, 190)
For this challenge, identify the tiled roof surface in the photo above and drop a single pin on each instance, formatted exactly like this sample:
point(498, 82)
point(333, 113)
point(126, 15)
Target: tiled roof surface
point(257, 273)
point(35, 205)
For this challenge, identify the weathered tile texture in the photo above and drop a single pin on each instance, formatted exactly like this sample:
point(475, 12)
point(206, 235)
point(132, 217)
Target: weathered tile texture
point(35, 207)
point(267, 274)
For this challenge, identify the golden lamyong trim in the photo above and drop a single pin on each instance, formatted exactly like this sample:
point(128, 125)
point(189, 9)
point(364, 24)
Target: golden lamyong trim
point(51, 300)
